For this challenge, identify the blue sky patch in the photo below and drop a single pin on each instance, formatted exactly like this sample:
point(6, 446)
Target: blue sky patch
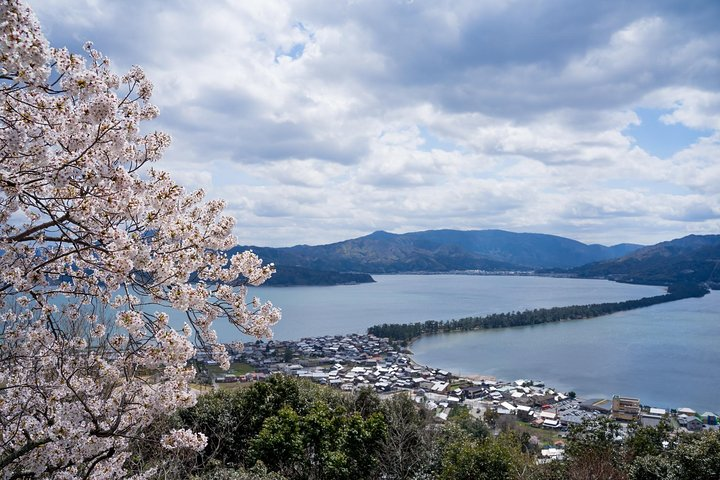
point(432, 142)
point(660, 139)
point(295, 52)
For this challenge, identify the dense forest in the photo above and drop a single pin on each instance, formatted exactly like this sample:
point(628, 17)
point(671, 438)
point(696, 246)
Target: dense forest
point(410, 331)
point(285, 428)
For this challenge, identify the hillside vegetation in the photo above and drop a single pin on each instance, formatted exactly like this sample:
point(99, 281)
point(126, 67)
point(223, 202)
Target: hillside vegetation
point(285, 428)
point(691, 259)
point(432, 252)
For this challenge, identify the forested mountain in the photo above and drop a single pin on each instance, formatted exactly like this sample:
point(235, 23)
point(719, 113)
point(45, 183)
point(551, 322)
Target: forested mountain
point(290, 276)
point(442, 251)
point(691, 259)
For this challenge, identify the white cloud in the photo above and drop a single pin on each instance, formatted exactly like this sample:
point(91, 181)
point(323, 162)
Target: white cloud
point(322, 120)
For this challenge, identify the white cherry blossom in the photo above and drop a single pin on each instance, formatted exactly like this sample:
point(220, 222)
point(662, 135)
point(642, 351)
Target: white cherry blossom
point(87, 225)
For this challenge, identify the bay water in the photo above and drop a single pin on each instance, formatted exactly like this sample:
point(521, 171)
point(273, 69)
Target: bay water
point(315, 311)
point(666, 355)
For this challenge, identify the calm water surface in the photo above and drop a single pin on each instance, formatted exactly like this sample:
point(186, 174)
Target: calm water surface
point(667, 355)
point(315, 311)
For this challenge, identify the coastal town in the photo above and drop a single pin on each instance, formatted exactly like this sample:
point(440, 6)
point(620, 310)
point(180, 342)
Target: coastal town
point(351, 362)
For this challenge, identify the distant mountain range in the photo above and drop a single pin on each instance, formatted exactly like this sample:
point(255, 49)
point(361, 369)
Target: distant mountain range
point(430, 251)
point(691, 259)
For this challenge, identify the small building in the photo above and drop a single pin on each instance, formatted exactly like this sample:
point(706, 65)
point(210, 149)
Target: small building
point(625, 408)
point(525, 413)
point(548, 423)
point(691, 423)
point(427, 386)
point(650, 420)
point(439, 386)
point(709, 418)
point(475, 391)
point(442, 414)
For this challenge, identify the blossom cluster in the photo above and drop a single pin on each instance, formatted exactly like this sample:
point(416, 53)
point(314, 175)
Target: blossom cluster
point(184, 438)
point(86, 226)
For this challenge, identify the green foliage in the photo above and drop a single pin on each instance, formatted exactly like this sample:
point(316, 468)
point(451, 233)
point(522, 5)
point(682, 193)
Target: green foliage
point(296, 428)
point(594, 449)
point(691, 457)
point(652, 441)
point(490, 416)
point(230, 419)
point(280, 442)
point(652, 468)
point(489, 459)
point(324, 443)
point(648, 453)
point(697, 456)
point(286, 428)
point(365, 401)
point(474, 427)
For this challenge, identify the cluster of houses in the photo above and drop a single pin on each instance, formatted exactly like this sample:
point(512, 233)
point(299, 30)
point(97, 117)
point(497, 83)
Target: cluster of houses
point(350, 362)
point(626, 409)
point(347, 362)
point(327, 350)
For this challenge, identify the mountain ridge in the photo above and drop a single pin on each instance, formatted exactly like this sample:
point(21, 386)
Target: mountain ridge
point(689, 259)
point(437, 251)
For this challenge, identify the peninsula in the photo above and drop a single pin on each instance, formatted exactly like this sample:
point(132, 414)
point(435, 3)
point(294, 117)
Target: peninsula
point(408, 332)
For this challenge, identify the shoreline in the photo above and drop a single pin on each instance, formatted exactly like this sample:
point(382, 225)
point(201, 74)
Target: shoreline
point(362, 360)
point(484, 379)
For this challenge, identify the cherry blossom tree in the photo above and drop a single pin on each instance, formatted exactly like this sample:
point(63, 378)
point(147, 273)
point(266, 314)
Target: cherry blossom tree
point(87, 227)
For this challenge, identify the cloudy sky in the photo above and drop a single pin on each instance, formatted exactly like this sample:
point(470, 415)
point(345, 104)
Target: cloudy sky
point(319, 120)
